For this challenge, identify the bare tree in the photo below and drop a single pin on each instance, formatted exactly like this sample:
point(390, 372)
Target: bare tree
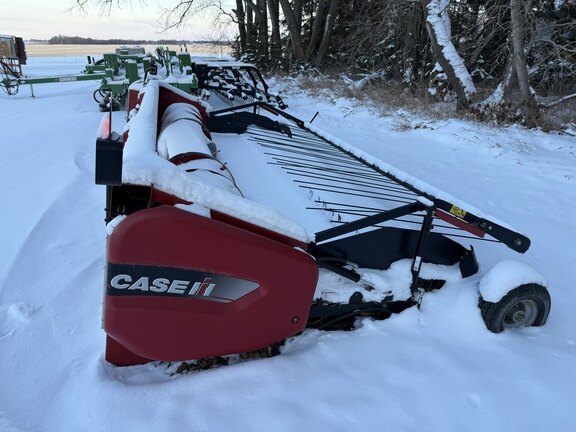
point(275, 40)
point(328, 29)
point(413, 20)
point(527, 97)
point(293, 29)
point(241, 21)
point(319, 20)
point(105, 6)
point(438, 26)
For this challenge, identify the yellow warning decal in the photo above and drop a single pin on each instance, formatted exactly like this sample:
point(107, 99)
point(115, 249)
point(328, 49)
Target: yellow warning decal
point(457, 211)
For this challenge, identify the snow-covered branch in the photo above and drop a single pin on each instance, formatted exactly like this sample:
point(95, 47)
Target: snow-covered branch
point(438, 26)
point(559, 101)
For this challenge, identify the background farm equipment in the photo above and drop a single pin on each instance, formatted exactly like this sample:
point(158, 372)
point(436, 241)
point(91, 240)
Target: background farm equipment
point(232, 82)
point(12, 53)
point(205, 261)
point(113, 81)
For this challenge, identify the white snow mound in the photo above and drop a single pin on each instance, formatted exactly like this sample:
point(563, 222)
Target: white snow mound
point(505, 276)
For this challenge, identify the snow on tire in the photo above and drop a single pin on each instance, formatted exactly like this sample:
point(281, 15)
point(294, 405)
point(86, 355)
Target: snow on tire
point(524, 306)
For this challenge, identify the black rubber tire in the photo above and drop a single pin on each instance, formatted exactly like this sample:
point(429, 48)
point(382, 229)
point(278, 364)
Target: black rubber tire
point(497, 315)
point(101, 95)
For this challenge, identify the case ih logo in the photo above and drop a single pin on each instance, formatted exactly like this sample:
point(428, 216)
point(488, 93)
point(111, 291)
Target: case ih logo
point(139, 280)
point(160, 285)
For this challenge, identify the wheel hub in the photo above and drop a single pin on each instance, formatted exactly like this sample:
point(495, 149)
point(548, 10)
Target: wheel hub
point(521, 314)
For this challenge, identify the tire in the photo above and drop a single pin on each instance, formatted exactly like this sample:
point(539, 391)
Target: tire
point(525, 306)
point(98, 95)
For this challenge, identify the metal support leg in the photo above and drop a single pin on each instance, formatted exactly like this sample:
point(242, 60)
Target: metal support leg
point(416, 289)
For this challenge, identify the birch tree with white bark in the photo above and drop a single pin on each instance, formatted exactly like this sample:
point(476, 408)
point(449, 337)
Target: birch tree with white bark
point(440, 33)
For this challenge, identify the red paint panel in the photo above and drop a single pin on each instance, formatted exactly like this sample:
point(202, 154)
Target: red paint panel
point(134, 98)
point(463, 225)
point(182, 328)
point(226, 218)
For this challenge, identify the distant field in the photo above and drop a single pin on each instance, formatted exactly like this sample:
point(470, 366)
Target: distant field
point(44, 50)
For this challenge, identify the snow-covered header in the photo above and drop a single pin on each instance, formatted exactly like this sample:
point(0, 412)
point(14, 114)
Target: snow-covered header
point(143, 166)
point(407, 178)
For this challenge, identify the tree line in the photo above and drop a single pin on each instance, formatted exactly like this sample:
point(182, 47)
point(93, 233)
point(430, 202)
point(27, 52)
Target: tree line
point(77, 40)
point(523, 50)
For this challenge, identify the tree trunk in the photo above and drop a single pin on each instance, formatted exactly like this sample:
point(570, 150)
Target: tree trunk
point(518, 49)
point(510, 78)
point(319, 21)
point(328, 28)
point(502, 91)
point(297, 8)
point(250, 33)
point(519, 58)
point(239, 12)
point(296, 40)
point(262, 31)
point(438, 27)
point(276, 41)
point(412, 35)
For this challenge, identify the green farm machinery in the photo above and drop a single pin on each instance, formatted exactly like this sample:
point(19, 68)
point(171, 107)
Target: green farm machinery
point(115, 72)
point(129, 67)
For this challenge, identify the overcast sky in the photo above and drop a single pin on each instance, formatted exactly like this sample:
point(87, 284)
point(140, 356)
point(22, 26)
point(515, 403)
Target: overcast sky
point(42, 19)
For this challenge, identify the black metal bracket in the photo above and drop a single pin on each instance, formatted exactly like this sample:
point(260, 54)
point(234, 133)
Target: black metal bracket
point(238, 122)
point(109, 153)
point(512, 239)
point(369, 221)
point(422, 238)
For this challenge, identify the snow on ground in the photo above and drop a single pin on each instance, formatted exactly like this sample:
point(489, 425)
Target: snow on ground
point(434, 369)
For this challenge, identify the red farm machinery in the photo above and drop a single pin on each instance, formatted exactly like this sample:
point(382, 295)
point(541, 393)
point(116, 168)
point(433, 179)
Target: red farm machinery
point(233, 228)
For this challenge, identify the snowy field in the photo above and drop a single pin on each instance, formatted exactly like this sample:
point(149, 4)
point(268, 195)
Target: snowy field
point(433, 369)
point(69, 50)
